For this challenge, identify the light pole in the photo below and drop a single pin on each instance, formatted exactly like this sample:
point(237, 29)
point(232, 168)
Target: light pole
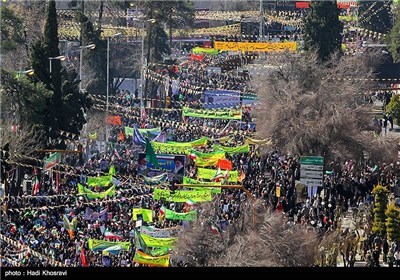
point(142, 77)
point(108, 77)
point(60, 57)
point(81, 48)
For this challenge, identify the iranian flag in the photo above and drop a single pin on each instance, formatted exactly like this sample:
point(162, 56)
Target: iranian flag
point(161, 214)
point(188, 205)
point(113, 236)
point(226, 177)
point(218, 175)
point(35, 183)
point(52, 160)
point(192, 156)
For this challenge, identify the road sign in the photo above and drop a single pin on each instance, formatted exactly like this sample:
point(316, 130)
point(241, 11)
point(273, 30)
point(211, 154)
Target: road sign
point(306, 167)
point(312, 160)
point(311, 182)
point(311, 171)
point(312, 174)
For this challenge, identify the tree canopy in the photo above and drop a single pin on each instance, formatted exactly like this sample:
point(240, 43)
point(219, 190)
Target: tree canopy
point(322, 29)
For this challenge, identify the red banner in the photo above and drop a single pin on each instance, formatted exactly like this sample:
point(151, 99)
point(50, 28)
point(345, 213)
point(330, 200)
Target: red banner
point(302, 5)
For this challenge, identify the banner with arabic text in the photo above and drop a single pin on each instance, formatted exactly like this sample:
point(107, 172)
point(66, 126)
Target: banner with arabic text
point(93, 195)
point(160, 232)
point(182, 196)
point(205, 173)
point(233, 150)
point(256, 46)
point(187, 180)
point(142, 258)
point(188, 216)
point(228, 114)
point(100, 245)
point(158, 242)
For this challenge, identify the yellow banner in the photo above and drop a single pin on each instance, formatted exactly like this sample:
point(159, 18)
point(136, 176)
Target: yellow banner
point(143, 258)
point(256, 47)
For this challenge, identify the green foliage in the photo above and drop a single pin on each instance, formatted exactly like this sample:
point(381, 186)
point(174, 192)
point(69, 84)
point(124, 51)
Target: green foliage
point(159, 40)
point(51, 43)
point(40, 61)
point(381, 199)
point(322, 29)
point(393, 39)
point(375, 16)
point(23, 98)
point(12, 30)
point(393, 222)
point(394, 108)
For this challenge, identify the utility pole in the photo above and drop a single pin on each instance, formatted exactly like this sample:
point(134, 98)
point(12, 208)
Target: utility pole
point(261, 33)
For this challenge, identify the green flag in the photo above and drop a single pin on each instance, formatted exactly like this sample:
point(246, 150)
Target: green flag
point(150, 155)
point(112, 170)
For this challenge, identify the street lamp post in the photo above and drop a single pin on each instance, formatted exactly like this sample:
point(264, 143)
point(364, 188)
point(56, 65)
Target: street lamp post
point(60, 57)
point(108, 77)
point(81, 48)
point(142, 76)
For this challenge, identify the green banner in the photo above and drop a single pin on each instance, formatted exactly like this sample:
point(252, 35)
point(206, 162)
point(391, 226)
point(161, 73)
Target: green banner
point(159, 252)
point(158, 242)
point(217, 154)
point(187, 180)
point(147, 214)
point(172, 215)
point(177, 147)
point(103, 181)
point(228, 114)
point(183, 196)
point(92, 195)
point(143, 131)
point(142, 258)
point(155, 180)
point(205, 173)
point(100, 245)
point(200, 50)
point(233, 150)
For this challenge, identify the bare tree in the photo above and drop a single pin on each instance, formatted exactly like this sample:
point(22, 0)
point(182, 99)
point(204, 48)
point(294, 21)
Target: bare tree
point(269, 242)
point(320, 109)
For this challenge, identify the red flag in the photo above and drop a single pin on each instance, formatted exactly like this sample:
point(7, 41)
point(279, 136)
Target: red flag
point(121, 136)
point(83, 258)
point(58, 182)
point(224, 164)
point(114, 120)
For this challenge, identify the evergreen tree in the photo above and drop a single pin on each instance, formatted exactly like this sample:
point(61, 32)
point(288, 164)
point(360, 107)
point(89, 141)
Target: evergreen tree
point(394, 108)
point(393, 39)
point(381, 200)
point(322, 29)
point(393, 222)
point(51, 42)
point(94, 67)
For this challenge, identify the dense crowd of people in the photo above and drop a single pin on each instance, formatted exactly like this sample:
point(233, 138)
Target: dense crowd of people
point(38, 221)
